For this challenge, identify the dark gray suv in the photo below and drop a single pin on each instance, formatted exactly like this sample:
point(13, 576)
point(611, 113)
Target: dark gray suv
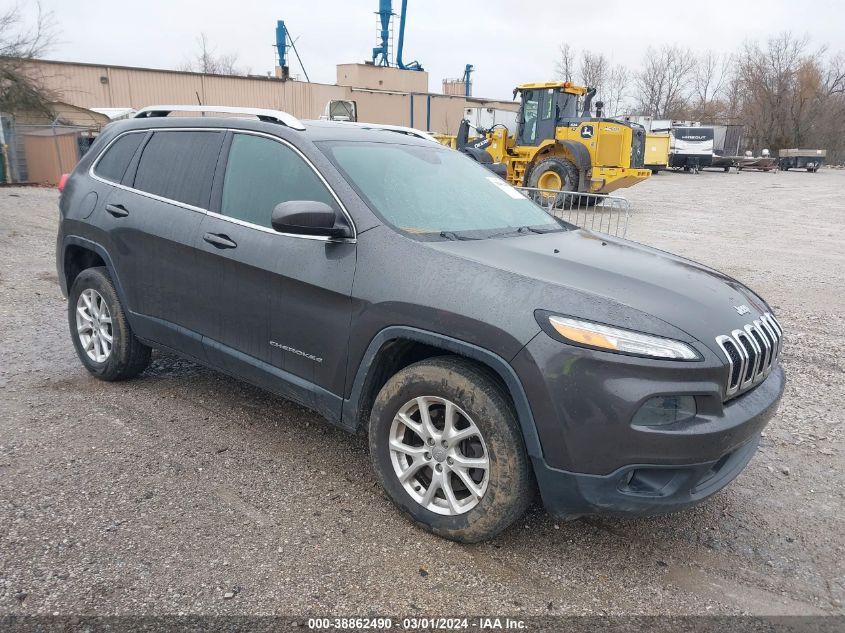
point(399, 288)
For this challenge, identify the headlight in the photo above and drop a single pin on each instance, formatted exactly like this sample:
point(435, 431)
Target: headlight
point(618, 340)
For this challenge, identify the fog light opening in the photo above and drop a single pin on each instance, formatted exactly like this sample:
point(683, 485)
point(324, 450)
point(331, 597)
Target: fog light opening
point(651, 482)
point(665, 410)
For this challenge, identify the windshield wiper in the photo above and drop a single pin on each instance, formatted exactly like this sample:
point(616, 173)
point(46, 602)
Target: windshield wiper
point(451, 235)
point(522, 230)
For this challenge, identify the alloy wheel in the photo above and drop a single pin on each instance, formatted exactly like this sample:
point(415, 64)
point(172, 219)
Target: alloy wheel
point(94, 325)
point(439, 455)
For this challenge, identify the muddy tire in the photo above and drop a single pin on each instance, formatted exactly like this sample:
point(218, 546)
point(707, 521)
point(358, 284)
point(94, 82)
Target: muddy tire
point(421, 410)
point(103, 339)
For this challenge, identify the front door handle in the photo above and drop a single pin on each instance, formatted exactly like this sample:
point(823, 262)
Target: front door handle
point(219, 240)
point(117, 210)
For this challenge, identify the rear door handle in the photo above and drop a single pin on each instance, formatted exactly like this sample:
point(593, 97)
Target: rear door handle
point(117, 210)
point(219, 240)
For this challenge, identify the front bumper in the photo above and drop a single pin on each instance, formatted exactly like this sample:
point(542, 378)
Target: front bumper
point(594, 461)
point(639, 489)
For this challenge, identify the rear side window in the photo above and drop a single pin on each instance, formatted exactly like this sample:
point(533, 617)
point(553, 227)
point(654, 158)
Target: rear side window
point(260, 174)
point(112, 166)
point(180, 166)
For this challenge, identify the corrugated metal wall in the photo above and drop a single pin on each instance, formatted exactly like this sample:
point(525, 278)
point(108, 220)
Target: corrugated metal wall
point(93, 86)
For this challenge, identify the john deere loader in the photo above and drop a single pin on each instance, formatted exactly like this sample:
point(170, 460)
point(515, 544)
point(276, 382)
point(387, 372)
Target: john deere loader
point(559, 145)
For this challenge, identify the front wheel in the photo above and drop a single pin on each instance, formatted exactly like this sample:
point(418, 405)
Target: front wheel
point(448, 450)
point(553, 175)
point(103, 339)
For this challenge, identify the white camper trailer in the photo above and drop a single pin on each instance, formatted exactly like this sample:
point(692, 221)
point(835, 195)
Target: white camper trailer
point(691, 147)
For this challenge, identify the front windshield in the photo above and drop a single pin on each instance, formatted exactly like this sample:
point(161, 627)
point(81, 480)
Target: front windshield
point(435, 192)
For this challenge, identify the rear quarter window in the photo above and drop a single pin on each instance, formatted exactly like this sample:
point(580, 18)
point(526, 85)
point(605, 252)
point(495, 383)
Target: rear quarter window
point(114, 161)
point(179, 166)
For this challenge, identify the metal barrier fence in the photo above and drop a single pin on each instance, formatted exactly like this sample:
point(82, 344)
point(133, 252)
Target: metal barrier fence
point(597, 212)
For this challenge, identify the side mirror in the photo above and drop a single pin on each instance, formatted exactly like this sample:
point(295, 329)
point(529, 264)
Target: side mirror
point(309, 217)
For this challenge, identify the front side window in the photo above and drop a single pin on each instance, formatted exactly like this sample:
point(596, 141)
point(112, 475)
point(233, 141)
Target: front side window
point(548, 105)
point(180, 166)
point(112, 166)
point(262, 173)
point(434, 191)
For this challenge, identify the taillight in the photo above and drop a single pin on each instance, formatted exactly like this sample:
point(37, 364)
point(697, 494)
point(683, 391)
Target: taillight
point(63, 182)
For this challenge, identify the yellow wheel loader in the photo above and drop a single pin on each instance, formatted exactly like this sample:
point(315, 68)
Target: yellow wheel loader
point(558, 144)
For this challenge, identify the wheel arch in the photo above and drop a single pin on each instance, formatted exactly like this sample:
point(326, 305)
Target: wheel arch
point(76, 258)
point(568, 149)
point(380, 362)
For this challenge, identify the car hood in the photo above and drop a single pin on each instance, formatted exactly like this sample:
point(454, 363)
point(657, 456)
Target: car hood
point(594, 276)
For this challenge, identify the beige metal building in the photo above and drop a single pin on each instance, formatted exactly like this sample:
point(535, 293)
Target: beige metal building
point(382, 95)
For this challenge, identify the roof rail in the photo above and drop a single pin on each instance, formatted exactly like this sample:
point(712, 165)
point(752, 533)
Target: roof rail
point(273, 116)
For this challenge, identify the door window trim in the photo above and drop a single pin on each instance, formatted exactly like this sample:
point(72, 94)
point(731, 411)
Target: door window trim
point(103, 153)
point(308, 162)
point(146, 194)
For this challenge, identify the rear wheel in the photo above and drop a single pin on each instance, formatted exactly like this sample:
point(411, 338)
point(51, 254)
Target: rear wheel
point(448, 450)
point(101, 334)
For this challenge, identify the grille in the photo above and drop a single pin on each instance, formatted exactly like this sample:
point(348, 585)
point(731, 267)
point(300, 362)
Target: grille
point(752, 352)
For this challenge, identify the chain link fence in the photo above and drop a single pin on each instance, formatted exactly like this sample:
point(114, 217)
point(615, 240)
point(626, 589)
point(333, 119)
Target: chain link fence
point(40, 154)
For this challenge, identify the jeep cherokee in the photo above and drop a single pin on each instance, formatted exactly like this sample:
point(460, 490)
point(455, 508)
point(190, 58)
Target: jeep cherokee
point(397, 287)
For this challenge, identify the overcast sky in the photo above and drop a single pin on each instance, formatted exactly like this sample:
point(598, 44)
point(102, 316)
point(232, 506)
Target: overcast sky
point(507, 41)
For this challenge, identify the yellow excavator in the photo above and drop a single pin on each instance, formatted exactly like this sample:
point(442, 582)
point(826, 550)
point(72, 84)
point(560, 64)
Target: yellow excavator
point(558, 144)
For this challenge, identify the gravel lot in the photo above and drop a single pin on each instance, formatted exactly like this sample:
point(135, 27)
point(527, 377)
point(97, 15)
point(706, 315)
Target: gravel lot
point(185, 491)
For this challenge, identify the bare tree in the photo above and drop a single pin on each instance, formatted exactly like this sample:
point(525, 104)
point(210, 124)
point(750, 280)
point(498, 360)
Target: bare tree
point(663, 80)
point(593, 69)
point(835, 75)
point(782, 90)
point(20, 41)
point(615, 91)
point(565, 65)
point(206, 60)
point(610, 82)
point(830, 127)
point(709, 80)
point(785, 91)
point(731, 93)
